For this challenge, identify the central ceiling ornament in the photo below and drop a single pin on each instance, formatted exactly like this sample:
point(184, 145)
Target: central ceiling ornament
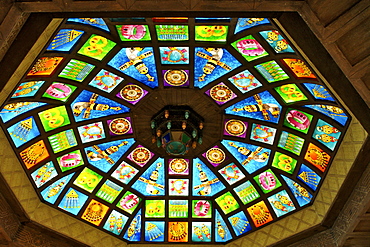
point(176, 129)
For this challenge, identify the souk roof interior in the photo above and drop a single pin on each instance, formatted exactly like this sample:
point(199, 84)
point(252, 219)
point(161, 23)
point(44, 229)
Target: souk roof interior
point(80, 123)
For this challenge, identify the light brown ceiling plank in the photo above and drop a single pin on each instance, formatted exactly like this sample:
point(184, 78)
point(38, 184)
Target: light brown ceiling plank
point(94, 6)
point(30, 7)
point(360, 68)
point(123, 3)
point(349, 20)
point(10, 27)
point(312, 20)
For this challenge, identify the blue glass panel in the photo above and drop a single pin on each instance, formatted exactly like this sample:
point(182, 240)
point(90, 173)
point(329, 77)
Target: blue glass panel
point(95, 22)
point(250, 156)
point(281, 203)
point(115, 222)
point(319, 91)
point(223, 233)
point(262, 106)
point(154, 231)
point(52, 192)
point(23, 131)
point(326, 134)
point(309, 177)
point(212, 63)
point(106, 81)
point(73, 201)
point(240, 223)
point(277, 41)
point(137, 62)
point(246, 23)
point(13, 110)
point(245, 81)
point(65, 39)
point(105, 155)
point(133, 233)
point(333, 112)
point(152, 181)
point(205, 182)
point(300, 193)
point(90, 105)
point(27, 89)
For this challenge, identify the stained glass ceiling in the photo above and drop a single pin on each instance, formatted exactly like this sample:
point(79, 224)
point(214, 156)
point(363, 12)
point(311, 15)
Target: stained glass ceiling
point(84, 123)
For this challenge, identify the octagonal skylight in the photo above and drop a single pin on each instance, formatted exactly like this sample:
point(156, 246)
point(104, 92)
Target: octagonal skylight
point(81, 122)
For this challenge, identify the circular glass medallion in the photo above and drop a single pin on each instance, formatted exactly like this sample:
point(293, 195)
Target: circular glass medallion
point(215, 155)
point(221, 93)
point(119, 126)
point(176, 77)
point(178, 165)
point(131, 92)
point(235, 127)
point(141, 155)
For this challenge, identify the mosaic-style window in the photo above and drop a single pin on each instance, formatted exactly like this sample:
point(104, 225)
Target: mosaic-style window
point(94, 125)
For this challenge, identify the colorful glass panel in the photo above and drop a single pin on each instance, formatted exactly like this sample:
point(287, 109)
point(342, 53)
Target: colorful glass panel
point(174, 55)
point(23, 131)
point(211, 33)
point(281, 203)
point(27, 89)
point(106, 81)
point(73, 201)
point(290, 93)
point(299, 68)
point(276, 41)
point(319, 91)
point(133, 32)
point(246, 23)
point(65, 40)
point(76, 70)
point(221, 93)
point(115, 222)
point(262, 106)
point(44, 174)
point(272, 71)
point(249, 48)
point(138, 63)
point(70, 161)
point(245, 81)
point(212, 63)
point(327, 134)
point(298, 120)
point(59, 91)
point(172, 32)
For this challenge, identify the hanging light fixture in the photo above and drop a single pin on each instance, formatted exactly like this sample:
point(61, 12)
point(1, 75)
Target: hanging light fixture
point(176, 129)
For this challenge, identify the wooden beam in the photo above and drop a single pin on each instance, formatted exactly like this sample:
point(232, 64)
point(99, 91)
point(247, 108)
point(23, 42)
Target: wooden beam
point(360, 68)
point(9, 28)
point(149, 5)
point(347, 21)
